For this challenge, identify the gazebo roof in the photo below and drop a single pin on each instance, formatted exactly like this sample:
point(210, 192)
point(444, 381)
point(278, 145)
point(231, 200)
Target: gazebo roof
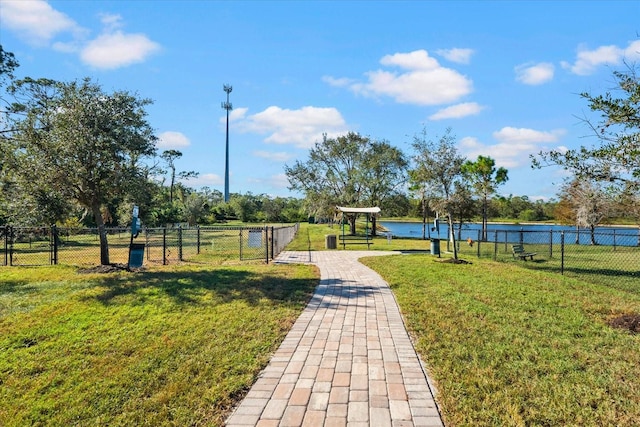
point(373, 210)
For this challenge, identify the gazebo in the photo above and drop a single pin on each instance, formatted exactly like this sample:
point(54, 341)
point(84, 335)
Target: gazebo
point(349, 239)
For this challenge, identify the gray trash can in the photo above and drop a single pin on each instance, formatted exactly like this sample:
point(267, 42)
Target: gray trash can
point(330, 241)
point(136, 255)
point(435, 247)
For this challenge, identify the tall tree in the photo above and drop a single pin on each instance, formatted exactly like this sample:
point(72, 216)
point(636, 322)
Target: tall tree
point(349, 170)
point(384, 173)
point(438, 165)
point(484, 179)
point(419, 187)
point(170, 157)
point(590, 202)
point(8, 64)
point(617, 159)
point(81, 142)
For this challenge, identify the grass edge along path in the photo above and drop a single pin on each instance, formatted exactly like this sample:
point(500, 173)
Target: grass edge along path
point(509, 346)
point(166, 346)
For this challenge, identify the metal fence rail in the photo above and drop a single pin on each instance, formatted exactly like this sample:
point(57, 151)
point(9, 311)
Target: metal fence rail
point(54, 245)
point(580, 252)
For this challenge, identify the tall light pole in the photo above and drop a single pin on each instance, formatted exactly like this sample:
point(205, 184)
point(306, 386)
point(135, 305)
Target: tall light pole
point(227, 106)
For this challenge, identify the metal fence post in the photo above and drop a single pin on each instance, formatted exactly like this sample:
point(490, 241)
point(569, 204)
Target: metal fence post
point(495, 245)
point(180, 242)
point(54, 245)
point(241, 244)
point(11, 235)
point(506, 239)
point(164, 246)
point(550, 243)
point(198, 239)
point(562, 252)
point(146, 243)
point(6, 245)
point(273, 242)
point(266, 241)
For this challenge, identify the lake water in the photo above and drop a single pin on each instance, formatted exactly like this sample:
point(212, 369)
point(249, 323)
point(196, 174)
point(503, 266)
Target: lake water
point(525, 233)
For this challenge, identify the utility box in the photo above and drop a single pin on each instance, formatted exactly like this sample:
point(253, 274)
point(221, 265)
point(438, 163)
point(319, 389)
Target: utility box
point(435, 247)
point(330, 241)
point(136, 255)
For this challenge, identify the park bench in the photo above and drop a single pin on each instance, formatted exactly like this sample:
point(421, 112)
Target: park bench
point(355, 240)
point(518, 251)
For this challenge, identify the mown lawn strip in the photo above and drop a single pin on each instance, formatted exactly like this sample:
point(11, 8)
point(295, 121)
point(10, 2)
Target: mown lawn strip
point(511, 346)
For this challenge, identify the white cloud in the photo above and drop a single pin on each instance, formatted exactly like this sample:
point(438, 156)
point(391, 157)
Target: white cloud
point(632, 52)
point(416, 60)
point(117, 49)
point(332, 81)
point(587, 61)
point(172, 140)
point(536, 74)
point(513, 147)
point(273, 157)
point(526, 136)
point(302, 127)
point(279, 181)
point(470, 143)
point(39, 23)
point(36, 21)
point(111, 22)
point(235, 115)
point(458, 55)
point(205, 179)
point(458, 111)
point(422, 81)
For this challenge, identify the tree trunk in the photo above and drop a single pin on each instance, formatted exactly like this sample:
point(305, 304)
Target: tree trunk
point(102, 232)
point(352, 224)
point(424, 220)
point(484, 219)
point(424, 228)
point(373, 225)
point(593, 235)
point(453, 236)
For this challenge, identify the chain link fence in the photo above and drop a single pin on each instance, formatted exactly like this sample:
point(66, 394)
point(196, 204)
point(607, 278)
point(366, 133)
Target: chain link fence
point(31, 246)
point(607, 256)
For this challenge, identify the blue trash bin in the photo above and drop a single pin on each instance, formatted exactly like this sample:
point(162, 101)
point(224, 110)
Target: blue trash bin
point(136, 255)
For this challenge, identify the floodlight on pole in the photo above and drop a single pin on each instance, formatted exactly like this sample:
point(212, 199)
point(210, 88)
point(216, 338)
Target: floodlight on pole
point(227, 106)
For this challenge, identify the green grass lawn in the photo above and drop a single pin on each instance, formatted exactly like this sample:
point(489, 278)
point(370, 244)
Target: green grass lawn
point(180, 344)
point(167, 346)
point(512, 346)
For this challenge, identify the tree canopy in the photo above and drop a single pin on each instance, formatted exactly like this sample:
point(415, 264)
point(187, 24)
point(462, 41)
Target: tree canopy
point(484, 178)
point(72, 141)
point(438, 166)
point(616, 159)
point(349, 170)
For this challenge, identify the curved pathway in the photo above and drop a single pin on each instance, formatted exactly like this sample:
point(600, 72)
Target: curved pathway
point(347, 361)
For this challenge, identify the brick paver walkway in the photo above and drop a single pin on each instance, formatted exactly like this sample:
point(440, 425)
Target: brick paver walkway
point(347, 361)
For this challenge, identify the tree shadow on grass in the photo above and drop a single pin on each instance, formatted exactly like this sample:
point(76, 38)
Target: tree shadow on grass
point(195, 287)
point(17, 286)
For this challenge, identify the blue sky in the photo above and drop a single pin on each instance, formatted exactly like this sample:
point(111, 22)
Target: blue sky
point(505, 76)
